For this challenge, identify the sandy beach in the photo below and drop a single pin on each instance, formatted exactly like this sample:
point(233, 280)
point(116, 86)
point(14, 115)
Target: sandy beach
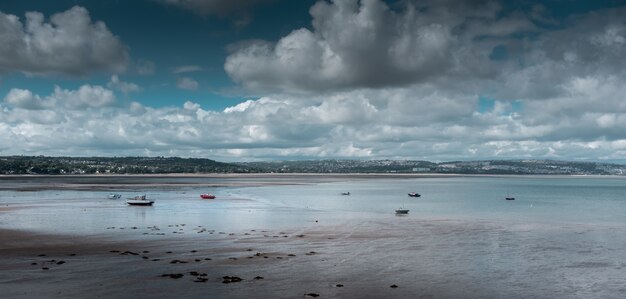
point(313, 254)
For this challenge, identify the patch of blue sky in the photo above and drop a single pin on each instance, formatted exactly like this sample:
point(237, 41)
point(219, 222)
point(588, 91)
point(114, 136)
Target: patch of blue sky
point(487, 105)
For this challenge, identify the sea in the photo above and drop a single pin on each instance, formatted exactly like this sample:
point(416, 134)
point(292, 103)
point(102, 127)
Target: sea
point(562, 236)
point(591, 200)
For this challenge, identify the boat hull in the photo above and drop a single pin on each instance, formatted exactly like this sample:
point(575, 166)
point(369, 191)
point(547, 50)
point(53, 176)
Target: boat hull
point(137, 202)
point(402, 212)
point(207, 196)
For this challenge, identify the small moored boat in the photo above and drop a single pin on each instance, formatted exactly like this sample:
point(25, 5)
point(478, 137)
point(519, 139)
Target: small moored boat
point(139, 200)
point(207, 196)
point(114, 196)
point(402, 211)
point(345, 193)
point(509, 198)
point(414, 194)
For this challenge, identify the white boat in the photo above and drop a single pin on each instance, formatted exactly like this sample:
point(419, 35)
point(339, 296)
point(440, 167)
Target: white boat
point(114, 196)
point(139, 200)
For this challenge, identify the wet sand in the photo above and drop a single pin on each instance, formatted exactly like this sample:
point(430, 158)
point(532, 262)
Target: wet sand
point(407, 258)
point(202, 264)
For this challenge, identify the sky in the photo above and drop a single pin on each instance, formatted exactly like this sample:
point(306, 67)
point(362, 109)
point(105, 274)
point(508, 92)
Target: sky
point(251, 80)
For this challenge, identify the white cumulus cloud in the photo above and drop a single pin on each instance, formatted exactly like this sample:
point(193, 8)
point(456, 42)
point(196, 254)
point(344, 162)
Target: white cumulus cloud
point(69, 43)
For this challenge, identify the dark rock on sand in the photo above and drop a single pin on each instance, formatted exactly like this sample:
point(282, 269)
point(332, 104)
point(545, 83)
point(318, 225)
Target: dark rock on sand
point(229, 279)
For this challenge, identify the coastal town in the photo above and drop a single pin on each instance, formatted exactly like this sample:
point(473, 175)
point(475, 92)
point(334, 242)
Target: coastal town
point(42, 165)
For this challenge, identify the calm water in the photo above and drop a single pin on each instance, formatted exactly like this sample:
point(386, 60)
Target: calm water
point(592, 200)
point(581, 200)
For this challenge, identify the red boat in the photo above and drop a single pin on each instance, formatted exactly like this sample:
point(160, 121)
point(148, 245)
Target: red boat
point(207, 196)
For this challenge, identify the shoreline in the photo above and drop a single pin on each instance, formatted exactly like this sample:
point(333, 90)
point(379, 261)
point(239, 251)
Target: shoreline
point(304, 174)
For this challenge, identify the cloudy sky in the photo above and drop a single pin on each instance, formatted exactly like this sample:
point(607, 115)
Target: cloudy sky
point(244, 80)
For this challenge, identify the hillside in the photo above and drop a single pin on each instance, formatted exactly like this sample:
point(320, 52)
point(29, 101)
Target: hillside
point(113, 165)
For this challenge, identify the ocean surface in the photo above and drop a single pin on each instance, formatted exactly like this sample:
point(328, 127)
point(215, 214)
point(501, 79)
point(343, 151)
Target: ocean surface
point(538, 199)
point(562, 237)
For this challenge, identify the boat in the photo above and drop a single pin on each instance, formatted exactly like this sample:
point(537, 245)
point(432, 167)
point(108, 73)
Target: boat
point(345, 193)
point(207, 196)
point(509, 198)
point(402, 211)
point(114, 196)
point(414, 194)
point(139, 200)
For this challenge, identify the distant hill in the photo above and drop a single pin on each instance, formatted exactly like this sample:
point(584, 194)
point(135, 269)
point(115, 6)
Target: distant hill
point(343, 166)
point(162, 165)
point(459, 167)
point(113, 165)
